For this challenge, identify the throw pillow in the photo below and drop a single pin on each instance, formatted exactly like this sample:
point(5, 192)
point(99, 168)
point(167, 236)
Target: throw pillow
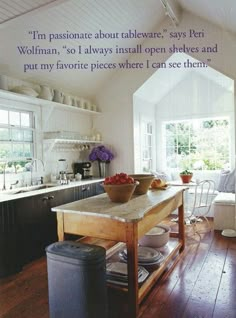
point(223, 177)
point(161, 175)
point(230, 182)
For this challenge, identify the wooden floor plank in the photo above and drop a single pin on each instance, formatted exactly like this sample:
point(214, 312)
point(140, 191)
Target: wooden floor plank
point(201, 285)
point(202, 300)
point(177, 299)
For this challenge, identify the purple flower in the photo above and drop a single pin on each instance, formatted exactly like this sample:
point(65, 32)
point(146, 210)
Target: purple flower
point(101, 153)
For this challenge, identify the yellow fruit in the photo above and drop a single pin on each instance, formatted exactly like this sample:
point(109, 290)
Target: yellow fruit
point(157, 183)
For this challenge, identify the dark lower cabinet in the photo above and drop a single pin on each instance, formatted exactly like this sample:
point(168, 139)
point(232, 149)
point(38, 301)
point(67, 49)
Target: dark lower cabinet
point(10, 249)
point(28, 225)
point(37, 223)
point(88, 190)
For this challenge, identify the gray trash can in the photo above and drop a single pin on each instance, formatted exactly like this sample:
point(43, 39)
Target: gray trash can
point(76, 280)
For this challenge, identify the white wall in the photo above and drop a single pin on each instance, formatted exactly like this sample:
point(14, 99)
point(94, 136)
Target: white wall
point(116, 97)
point(60, 120)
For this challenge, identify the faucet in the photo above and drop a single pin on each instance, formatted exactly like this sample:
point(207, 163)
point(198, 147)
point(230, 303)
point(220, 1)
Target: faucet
point(4, 173)
point(33, 160)
point(15, 183)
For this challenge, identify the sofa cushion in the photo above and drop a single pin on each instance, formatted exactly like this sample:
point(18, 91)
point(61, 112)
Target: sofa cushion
point(223, 177)
point(161, 175)
point(224, 198)
point(230, 182)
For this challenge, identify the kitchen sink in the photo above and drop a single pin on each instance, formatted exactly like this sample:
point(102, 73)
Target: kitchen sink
point(28, 189)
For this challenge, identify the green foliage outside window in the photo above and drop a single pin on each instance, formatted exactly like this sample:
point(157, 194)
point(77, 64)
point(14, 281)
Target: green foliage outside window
point(197, 144)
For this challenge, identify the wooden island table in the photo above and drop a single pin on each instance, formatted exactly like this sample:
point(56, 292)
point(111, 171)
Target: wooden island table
point(126, 222)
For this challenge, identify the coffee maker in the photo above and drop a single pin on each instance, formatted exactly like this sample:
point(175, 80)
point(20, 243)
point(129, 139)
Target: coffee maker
point(84, 168)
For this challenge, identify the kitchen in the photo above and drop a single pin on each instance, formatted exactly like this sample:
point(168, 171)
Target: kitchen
point(110, 93)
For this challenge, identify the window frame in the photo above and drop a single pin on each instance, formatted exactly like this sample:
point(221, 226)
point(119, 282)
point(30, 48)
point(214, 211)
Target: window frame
point(36, 112)
point(147, 144)
point(191, 122)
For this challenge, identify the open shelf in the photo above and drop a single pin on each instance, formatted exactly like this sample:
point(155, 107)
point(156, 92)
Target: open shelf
point(155, 271)
point(51, 143)
point(10, 96)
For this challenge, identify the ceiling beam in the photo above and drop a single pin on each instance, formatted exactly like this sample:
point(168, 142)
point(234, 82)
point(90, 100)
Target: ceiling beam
point(172, 10)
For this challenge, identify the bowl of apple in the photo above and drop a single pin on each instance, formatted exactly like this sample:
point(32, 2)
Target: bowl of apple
point(120, 187)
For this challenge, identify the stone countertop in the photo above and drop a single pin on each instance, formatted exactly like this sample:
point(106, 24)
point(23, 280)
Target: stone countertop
point(132, 211)
point(49, 187)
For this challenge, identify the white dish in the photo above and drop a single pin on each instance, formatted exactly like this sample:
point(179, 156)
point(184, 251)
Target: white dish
point(157, 237)
point(229, 233)
point(145, 254)
point(123, 281)
point(25, 90)
point(157, 261)
point(156, 231)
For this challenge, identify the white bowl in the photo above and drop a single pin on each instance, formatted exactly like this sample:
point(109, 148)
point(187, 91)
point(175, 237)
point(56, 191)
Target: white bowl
point(156, 237)
point(25, 90)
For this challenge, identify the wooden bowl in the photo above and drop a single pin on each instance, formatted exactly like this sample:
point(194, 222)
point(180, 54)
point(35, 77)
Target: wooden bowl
point(144, 180)
point(156, 237)
point(121, 192)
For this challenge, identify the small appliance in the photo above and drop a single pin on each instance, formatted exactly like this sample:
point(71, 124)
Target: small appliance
point(84, 168)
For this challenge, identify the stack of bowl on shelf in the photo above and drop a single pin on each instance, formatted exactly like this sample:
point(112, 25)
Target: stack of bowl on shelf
point(117, 273)
point(44, 91)
point(146, 256)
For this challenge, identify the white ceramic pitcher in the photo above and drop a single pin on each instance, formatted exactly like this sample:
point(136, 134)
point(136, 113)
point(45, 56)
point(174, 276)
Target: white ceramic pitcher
point(46, 92)
point(58, 96)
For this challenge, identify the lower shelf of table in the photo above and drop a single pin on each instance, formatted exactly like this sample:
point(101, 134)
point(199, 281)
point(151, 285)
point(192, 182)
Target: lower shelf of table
point(169, 251)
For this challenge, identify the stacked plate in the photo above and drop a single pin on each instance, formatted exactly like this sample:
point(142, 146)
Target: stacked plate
point(146, 256)
point(117, 273)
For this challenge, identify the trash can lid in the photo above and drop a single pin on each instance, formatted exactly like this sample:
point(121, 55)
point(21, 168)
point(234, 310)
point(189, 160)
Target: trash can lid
point(78, 251)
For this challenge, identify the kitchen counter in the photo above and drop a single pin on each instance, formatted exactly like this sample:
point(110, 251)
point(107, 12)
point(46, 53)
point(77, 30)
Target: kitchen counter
point(10, 195)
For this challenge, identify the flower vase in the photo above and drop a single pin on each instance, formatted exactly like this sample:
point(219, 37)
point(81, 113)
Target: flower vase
point(103, 169)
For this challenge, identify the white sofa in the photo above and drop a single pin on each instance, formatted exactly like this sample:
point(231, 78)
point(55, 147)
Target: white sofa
point(223, 208)
point(224, 211)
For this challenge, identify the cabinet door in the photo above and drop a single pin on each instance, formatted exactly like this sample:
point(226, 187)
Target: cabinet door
point(31, 216)
point(54, 199)
point(10, 247)
point(88, 190)
point(37, 223)
point(99, 188)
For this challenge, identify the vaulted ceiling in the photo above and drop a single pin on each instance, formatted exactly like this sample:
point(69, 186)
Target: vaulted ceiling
point(27, 22)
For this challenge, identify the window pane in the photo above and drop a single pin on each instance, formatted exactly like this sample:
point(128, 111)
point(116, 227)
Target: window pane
point(25, 119)
point(5, 151)
point(16, 143)
point(4, 134)
point(17, 150)
point(199, 144)
point(171, 128)
point(28, 135)
point(28, 150)
point(17, 135)
point(3, 116)
point(170, 141)
point(14, 118)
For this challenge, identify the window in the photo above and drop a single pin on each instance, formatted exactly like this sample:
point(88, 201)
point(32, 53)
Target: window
point(147, 148)
point(16, 137)
point(197, 143)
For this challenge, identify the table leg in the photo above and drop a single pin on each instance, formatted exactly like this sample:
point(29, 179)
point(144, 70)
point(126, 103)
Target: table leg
point(60, 226)
point(132, 255)
point(181, 226)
